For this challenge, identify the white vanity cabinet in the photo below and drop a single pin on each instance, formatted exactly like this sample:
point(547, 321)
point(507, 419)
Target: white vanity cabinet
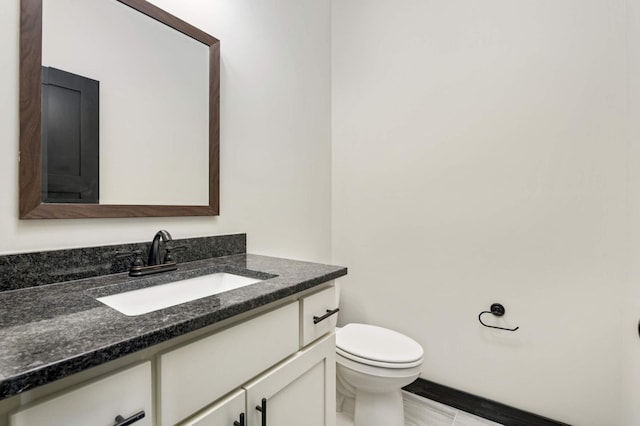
point(300, 391)
point(194, 375)
point(127, 393)
point(281, 359)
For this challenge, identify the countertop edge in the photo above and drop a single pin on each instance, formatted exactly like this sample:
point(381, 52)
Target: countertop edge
point(48, 373)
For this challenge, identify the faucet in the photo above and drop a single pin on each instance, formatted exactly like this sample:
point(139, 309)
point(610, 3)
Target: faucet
point(154, 250)
point(154, 265)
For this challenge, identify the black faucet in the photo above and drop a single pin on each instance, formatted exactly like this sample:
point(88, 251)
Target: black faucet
point(154, 250)
point(154, 264)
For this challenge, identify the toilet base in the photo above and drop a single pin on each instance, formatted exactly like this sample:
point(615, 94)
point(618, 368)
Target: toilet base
point(378, 409)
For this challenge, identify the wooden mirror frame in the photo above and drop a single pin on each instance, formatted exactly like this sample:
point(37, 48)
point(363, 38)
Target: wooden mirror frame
point(30, 157)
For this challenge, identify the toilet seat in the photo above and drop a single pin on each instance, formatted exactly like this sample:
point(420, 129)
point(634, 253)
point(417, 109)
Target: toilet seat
point(378, 346)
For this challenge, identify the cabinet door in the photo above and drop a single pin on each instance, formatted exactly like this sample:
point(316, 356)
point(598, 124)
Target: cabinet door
point(223, 413)
point(126, 394)
point(300, 391)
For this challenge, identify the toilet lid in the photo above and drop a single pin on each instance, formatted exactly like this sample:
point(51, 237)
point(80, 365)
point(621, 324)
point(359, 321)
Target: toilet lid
point(377, 344)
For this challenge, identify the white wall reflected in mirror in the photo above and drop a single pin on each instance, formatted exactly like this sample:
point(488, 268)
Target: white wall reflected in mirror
point(154, 98)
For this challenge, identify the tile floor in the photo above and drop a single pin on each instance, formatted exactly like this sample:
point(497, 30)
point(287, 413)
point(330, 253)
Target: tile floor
point(424, 412)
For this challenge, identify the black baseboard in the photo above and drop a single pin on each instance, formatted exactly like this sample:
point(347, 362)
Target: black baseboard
point(477, 405)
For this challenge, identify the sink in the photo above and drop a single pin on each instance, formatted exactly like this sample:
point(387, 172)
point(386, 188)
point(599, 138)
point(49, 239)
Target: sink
point(149, 299)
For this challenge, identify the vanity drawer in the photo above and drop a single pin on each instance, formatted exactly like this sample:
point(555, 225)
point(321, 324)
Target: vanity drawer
point(320, 304)
point(122, 394)
point(197, 374)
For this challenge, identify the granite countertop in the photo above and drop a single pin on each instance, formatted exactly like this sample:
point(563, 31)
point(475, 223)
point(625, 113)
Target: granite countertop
point(53, 331)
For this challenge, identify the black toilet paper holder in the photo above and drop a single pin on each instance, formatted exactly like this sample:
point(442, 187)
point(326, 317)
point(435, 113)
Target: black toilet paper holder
point(498, 310)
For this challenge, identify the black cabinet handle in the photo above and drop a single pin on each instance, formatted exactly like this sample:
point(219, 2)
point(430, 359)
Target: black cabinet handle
point(263, 409)
point(121, 421)
point(325, 316)
point(241, 422)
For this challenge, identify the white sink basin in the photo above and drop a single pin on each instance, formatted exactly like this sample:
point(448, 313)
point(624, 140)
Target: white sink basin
point(162, 296)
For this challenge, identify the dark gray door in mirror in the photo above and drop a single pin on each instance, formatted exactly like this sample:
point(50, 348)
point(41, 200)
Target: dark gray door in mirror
point(70, 137)
point(34, 162)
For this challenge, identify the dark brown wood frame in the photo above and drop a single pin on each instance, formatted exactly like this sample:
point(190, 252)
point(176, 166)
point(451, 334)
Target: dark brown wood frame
point(31, 205)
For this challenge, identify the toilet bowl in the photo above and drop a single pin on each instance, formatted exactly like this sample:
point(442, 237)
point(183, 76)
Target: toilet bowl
point(373, 364)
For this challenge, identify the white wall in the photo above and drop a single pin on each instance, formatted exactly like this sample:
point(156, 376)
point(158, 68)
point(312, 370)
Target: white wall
point(275, 135)
point(632, 395)
point(480, 155)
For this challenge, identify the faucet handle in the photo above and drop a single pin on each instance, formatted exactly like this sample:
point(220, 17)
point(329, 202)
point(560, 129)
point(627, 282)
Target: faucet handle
point(168, 257)
point(137, 261)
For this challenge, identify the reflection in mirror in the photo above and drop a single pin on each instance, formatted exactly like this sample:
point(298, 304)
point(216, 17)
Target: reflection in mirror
point(70, 137)
point(154, 98)
point(158, 109)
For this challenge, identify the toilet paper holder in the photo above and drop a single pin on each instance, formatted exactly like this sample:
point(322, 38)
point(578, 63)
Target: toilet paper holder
point(498, 310)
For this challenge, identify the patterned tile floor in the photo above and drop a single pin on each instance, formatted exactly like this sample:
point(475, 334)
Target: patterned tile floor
point(424, 412)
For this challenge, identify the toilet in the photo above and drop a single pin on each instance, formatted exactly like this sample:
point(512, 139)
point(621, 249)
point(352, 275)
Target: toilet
point(372, 365)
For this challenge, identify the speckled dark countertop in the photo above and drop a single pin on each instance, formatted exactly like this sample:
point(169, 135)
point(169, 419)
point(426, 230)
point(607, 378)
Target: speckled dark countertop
point(53, 331)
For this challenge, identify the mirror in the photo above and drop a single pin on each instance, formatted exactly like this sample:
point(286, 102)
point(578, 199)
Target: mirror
point(158, 115)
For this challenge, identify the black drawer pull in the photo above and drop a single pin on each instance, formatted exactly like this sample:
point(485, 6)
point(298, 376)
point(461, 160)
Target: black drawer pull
point(121, 421)
point(325, 316)
point(263, 409)
point(241, 422)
